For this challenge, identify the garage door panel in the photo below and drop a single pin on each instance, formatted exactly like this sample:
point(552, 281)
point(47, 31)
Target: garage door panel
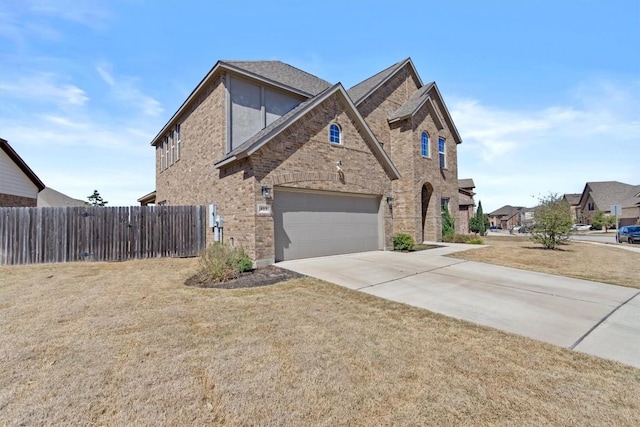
point(317, 224)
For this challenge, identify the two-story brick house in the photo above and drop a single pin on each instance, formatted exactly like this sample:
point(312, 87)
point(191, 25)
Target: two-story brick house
point(298, 167)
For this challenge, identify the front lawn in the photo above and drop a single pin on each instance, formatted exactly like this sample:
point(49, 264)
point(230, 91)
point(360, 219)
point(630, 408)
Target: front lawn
point(129, 344)
point(581, 260)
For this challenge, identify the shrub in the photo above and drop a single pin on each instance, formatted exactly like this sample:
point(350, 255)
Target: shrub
point(462, 238)
point(448, 223)
point(221, 262)
point(403, 242)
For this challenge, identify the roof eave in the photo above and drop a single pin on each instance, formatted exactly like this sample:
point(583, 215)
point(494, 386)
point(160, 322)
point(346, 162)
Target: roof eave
point(13, 155)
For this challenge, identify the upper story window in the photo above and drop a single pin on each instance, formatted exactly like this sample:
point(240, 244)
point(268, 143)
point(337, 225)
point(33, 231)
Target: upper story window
point(172, 142)
point(335, 136)
point(424, 144)
point(166, 151)
point(442, 153)
point(163, 160)
point(591, 206)
point(178, 142)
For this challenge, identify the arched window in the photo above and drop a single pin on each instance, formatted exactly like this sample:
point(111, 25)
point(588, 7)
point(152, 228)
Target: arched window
point(334, 134)
point(424, 144)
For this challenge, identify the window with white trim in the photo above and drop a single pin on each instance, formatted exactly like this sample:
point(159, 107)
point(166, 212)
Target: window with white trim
point(178, 142)
point(172, 142)
point(162, 159)
point(442, 153)
point(166, 151)
point(424, 144)
point(335, 136)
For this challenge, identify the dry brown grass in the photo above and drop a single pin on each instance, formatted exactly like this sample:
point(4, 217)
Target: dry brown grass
point(582, 260)
point(129, 344)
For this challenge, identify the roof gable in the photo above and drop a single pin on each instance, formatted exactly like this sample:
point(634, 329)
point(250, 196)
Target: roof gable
point(364, 89)
point(428, 95)
point(261, 138)
point(273, 73)
point(278, 73)
point(4, 145)
point(607, 193)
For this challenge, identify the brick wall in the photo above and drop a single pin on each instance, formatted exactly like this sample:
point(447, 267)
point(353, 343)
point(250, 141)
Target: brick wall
point(402, 143)
point(302, 157)
point(11, 201)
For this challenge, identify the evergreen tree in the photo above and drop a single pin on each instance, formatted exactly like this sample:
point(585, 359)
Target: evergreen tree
point(448, 223)
point(96, 199)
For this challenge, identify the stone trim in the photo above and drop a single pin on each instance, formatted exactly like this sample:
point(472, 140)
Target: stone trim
point(291, 177)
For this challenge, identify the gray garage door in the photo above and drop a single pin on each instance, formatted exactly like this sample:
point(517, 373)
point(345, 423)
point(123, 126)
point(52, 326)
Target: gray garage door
point(316, 224)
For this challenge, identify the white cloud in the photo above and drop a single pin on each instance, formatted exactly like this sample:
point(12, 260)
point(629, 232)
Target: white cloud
point(125, 90)
point(514, 156)
point(44, 88)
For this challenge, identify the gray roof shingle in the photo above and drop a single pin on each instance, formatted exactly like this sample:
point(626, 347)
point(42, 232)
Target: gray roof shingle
point(50, 198)
point(283, 74)
point(466, 183)
point(359, 92)
point(572, 198)
point(607, 193)
point(414, 102)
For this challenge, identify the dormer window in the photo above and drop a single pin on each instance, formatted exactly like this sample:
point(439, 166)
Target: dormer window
point(334, 134)
point(424, 144)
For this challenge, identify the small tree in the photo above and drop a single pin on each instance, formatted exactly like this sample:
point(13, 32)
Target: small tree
point(553, 222)
point(598, 220)
point(96, 199)
point(448, 224)
point(609, 221)
point(480, 222)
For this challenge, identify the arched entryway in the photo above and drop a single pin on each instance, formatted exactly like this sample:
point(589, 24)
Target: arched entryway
point(427, 191)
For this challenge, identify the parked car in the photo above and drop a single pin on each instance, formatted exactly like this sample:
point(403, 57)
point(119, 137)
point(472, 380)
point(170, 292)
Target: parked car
point(581, 227)
point(629, 234)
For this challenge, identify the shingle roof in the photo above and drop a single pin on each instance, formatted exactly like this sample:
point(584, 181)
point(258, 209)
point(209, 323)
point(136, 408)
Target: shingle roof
point(573, 198)
point(50, 198)
point(274, 72)
point(283, 74)
point(607, 193)
point(265, 135)
point(506, 210)
point(415, 101)
point(359, 92)
point(4, 145)
point(466, 183)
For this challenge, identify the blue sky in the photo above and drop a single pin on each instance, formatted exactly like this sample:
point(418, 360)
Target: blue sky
point(545, 94)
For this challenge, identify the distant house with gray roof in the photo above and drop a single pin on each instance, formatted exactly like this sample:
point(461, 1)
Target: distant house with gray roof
point(299, 167)
point(50, 198)
point(573, 200)
point(506, 217)
point(600, 196)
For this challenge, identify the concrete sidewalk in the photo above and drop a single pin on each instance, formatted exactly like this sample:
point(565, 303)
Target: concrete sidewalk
point(599, 319)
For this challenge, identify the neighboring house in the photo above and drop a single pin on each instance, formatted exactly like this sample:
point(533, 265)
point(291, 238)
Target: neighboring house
point(19, 185)
point(50, 198)
point(298, 167)
point(600, 196)
point(506, 217)
point(466, 204)
point(148, 199)
point(573, 200)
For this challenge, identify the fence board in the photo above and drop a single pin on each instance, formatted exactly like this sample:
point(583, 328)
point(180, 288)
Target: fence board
point(42, 235)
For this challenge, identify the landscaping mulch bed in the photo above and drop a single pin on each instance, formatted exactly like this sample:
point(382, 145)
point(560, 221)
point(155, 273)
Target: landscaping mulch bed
point(251, 279)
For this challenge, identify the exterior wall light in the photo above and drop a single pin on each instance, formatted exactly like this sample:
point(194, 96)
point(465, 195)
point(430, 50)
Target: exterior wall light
point(390, 201)
point(266, 191)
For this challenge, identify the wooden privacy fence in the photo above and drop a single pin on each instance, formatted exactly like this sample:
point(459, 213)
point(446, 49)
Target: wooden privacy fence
point(39, 235)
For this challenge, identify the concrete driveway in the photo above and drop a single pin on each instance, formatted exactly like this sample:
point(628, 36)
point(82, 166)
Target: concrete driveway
point(596, 318)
